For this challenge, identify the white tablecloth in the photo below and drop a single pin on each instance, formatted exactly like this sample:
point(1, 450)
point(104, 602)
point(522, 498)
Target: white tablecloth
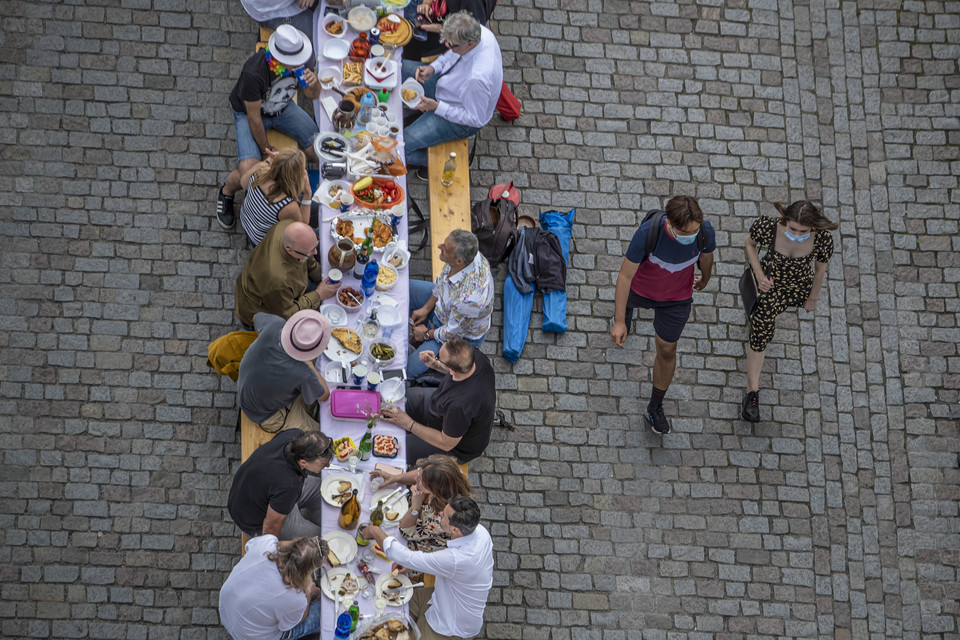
point(335, 427)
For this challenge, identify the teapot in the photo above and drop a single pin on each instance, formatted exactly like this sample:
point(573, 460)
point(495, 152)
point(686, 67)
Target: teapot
point(345, 114)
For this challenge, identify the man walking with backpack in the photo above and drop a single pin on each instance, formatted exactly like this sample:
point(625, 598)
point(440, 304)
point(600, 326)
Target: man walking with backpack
point(658, 273)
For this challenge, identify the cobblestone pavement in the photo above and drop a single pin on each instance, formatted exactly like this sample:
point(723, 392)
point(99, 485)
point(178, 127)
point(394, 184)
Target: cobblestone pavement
point(836, 517)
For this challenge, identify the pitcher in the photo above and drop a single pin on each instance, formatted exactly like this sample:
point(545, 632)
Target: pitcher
point(343, 255)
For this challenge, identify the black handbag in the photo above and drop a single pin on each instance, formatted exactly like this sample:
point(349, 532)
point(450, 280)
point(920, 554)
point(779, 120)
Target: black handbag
point(749, 293)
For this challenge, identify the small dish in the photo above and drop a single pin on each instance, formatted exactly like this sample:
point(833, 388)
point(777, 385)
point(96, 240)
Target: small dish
point(392, 390)
point(388, 342)
point(331, 146)
point(335, 49)
point(387, 278)
point(322, 194)
point(334, 314)
point(352, 306)
point(388, 316)
point(329, 23)
point(412, 85)
point(395, 250)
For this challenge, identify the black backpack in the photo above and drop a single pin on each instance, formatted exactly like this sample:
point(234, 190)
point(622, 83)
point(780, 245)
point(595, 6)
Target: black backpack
point(657, 215)
point(496, 239)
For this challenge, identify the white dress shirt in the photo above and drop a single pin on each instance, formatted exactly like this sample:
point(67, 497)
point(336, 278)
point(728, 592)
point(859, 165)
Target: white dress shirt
point(468, 94)
point(464, 572)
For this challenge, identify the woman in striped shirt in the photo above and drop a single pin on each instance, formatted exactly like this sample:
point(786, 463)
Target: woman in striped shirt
point(277, 189)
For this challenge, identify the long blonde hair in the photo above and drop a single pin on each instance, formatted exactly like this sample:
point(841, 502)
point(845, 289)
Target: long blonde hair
point(285, 171)
point(298, 559)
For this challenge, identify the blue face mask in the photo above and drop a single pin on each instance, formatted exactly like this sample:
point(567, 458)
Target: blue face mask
point(687, 239)
point(796, 238)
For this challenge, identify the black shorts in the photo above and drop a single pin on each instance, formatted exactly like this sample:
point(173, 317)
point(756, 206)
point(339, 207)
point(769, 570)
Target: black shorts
point(669, 317)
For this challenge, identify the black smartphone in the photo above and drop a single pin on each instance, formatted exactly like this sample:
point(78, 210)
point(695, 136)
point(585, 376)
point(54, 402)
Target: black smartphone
point(394, 373)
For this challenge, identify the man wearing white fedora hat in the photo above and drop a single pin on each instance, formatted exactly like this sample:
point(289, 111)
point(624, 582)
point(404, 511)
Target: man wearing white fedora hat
point(278, 380)
point(262, 100)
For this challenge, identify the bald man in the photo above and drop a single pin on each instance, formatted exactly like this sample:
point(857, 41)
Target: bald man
point(278, 275)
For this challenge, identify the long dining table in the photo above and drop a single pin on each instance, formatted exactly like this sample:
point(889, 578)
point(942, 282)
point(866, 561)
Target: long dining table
point(336, 427)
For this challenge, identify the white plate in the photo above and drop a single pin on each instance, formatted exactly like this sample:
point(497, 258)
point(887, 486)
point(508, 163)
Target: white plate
point(327, 155)
point(328, 488)
point(400, 506)
point(404, 596)
point(330, 583)
point(362, 18)
point(343, 544)
point(336, 49)
point(338, 353)
point(322, 194)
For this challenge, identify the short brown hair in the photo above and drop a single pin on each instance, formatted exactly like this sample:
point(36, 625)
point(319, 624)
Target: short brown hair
point(298, 559)
point(682, 210)
point(443, 478)
point(460, 354)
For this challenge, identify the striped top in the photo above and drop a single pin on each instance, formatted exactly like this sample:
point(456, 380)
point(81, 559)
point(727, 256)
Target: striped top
point(257, 215)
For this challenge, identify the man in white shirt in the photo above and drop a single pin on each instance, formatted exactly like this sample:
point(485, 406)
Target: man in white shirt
point(461, 87)
point(453, 608)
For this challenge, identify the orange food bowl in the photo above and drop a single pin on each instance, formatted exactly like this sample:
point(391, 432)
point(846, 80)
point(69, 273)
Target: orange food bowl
point(381, 205)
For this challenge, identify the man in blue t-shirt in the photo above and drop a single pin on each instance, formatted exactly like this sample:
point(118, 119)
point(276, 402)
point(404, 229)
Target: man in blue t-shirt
point(664, 281)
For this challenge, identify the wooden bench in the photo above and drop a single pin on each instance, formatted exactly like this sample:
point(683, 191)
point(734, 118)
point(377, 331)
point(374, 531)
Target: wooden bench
point(251, 437)
point(276, 139)
point(430, 580)
point(449, 206)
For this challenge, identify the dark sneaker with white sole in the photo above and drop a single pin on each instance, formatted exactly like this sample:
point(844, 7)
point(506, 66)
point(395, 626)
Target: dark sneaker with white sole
point(225, 210)
point(658, 421)
point(751, 407)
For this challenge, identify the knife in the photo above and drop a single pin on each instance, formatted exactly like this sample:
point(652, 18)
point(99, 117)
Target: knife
point(406, 586)
point(386, 499)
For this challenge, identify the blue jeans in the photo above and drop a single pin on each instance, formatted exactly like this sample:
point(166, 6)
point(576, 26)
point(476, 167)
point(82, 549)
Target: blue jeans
point(303, 22)
point(429, 130)
point(308, 627)
point(420, 292)
point(293, 121)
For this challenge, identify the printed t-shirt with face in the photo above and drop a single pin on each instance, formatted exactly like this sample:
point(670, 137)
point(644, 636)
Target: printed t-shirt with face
point(667, 273)
point(258, 82)
point(466, 409)
point(270, 477)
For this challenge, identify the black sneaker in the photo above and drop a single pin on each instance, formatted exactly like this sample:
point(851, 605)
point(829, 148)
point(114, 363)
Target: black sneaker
point(751, 407)
point(225, 210)
point(422, 174)
point(658, 421)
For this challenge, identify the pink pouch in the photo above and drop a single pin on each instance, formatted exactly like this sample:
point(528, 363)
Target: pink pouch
point(354, 404)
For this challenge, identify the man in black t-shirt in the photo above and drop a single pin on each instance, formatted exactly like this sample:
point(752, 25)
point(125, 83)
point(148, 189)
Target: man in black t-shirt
point(277, 481)
point(262, 100)
point(456, 417)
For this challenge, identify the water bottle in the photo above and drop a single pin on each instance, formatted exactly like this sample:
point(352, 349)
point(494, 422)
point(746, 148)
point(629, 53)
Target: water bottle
point(369, 281)
point(344, 622)
point(367, 103)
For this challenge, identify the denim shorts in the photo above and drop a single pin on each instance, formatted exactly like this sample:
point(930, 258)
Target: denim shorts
point(669, 317)
point(292, 121)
